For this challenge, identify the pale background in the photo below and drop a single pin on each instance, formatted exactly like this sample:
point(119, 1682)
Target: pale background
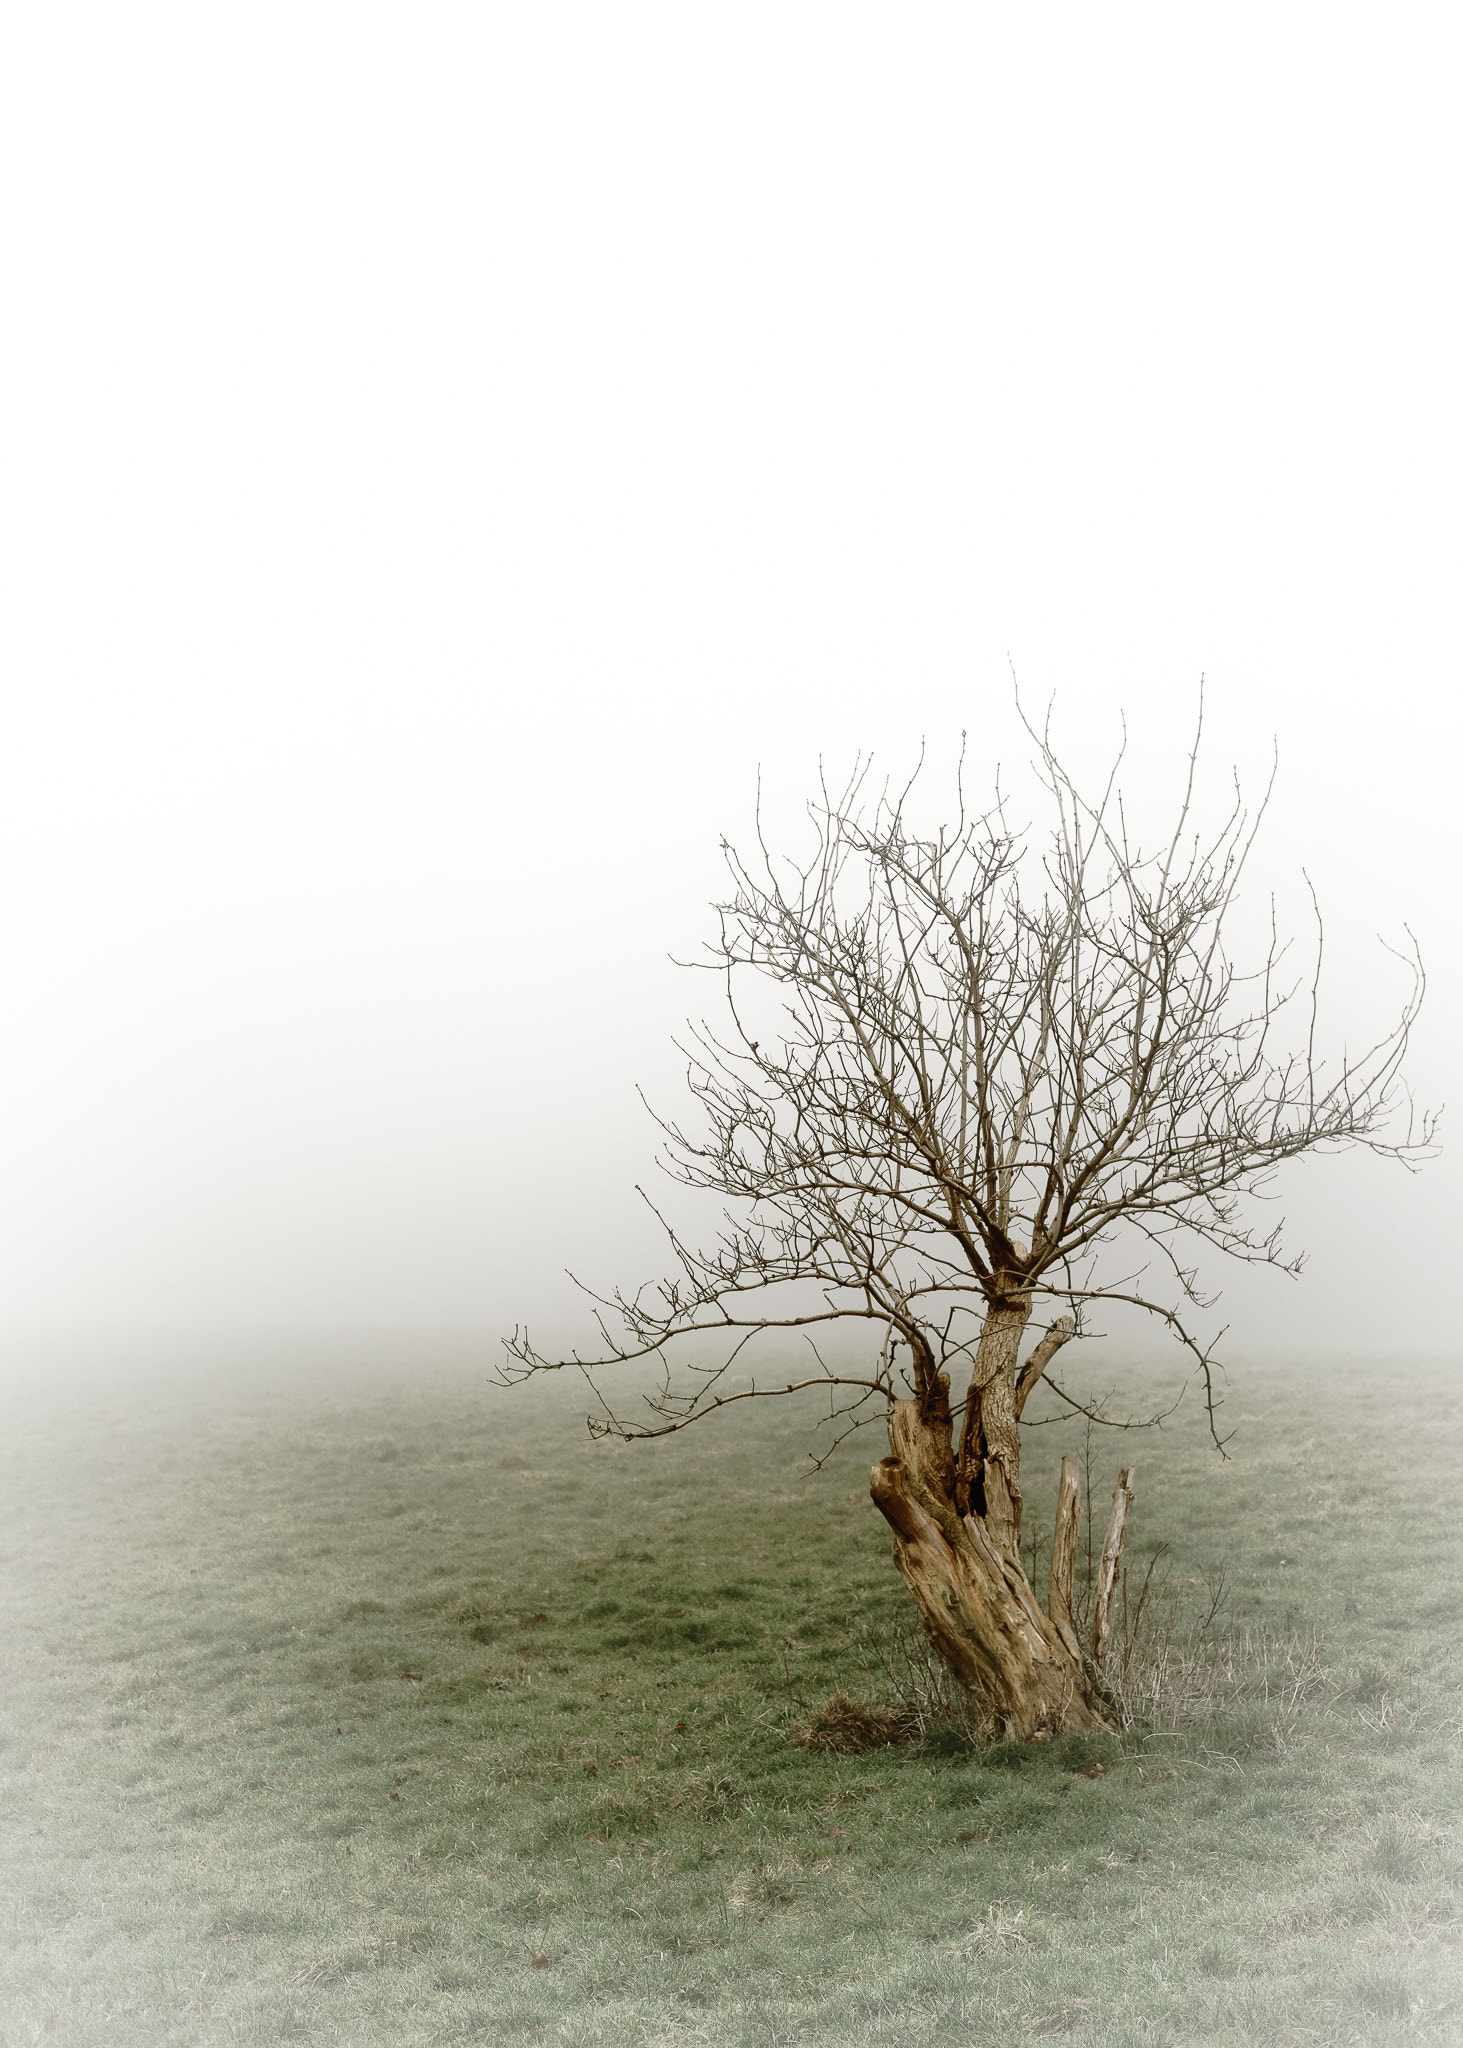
point(446, 449)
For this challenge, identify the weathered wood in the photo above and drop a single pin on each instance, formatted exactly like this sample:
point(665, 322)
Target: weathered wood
point(976, 1606)
point(1064, 1558)
point(956, 1520)
point(1107, 1570)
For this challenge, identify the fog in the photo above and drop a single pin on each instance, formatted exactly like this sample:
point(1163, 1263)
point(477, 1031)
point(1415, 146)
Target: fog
point(452, 453)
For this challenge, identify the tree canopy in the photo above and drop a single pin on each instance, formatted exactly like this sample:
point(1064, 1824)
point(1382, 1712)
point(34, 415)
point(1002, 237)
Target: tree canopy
point(987, 1069)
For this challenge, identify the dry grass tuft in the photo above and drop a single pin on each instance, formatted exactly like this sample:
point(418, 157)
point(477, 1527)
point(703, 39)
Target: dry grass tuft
point(384, 1948)
point(999, 1931)
point(1301, 1923)
point(1062, 2019)
point(844, 1726)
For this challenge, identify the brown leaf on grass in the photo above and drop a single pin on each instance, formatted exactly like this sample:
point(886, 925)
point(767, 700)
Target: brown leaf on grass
point(540, 1961)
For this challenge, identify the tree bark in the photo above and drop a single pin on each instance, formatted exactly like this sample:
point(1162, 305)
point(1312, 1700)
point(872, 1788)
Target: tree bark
point(989, 1465)
point(956, 1518)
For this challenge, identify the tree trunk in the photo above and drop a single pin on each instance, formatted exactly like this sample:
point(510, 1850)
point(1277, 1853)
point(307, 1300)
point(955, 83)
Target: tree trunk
point(956, 1519)
point(989, 1465)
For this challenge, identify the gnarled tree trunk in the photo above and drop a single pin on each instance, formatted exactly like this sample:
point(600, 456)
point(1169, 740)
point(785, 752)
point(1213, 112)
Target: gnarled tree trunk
point(956, 1517)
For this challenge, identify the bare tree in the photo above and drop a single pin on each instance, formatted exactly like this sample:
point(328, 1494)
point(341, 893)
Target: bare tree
point(997, 1092)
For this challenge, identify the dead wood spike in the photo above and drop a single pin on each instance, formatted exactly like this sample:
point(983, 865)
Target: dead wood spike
point(1107, 1570)
point(1064, 1558)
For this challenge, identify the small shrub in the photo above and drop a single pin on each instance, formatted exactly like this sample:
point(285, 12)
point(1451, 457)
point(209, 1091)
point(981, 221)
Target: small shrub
point(1176, 1662)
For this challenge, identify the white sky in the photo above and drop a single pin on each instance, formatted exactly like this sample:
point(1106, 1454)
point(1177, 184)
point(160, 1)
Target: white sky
point(446, 449)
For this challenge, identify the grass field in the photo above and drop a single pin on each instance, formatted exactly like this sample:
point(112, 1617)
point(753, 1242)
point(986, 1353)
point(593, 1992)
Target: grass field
point(352, 1702)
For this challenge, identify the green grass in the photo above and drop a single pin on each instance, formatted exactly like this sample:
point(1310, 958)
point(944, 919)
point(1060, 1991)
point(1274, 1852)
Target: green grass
point(333, 1699)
